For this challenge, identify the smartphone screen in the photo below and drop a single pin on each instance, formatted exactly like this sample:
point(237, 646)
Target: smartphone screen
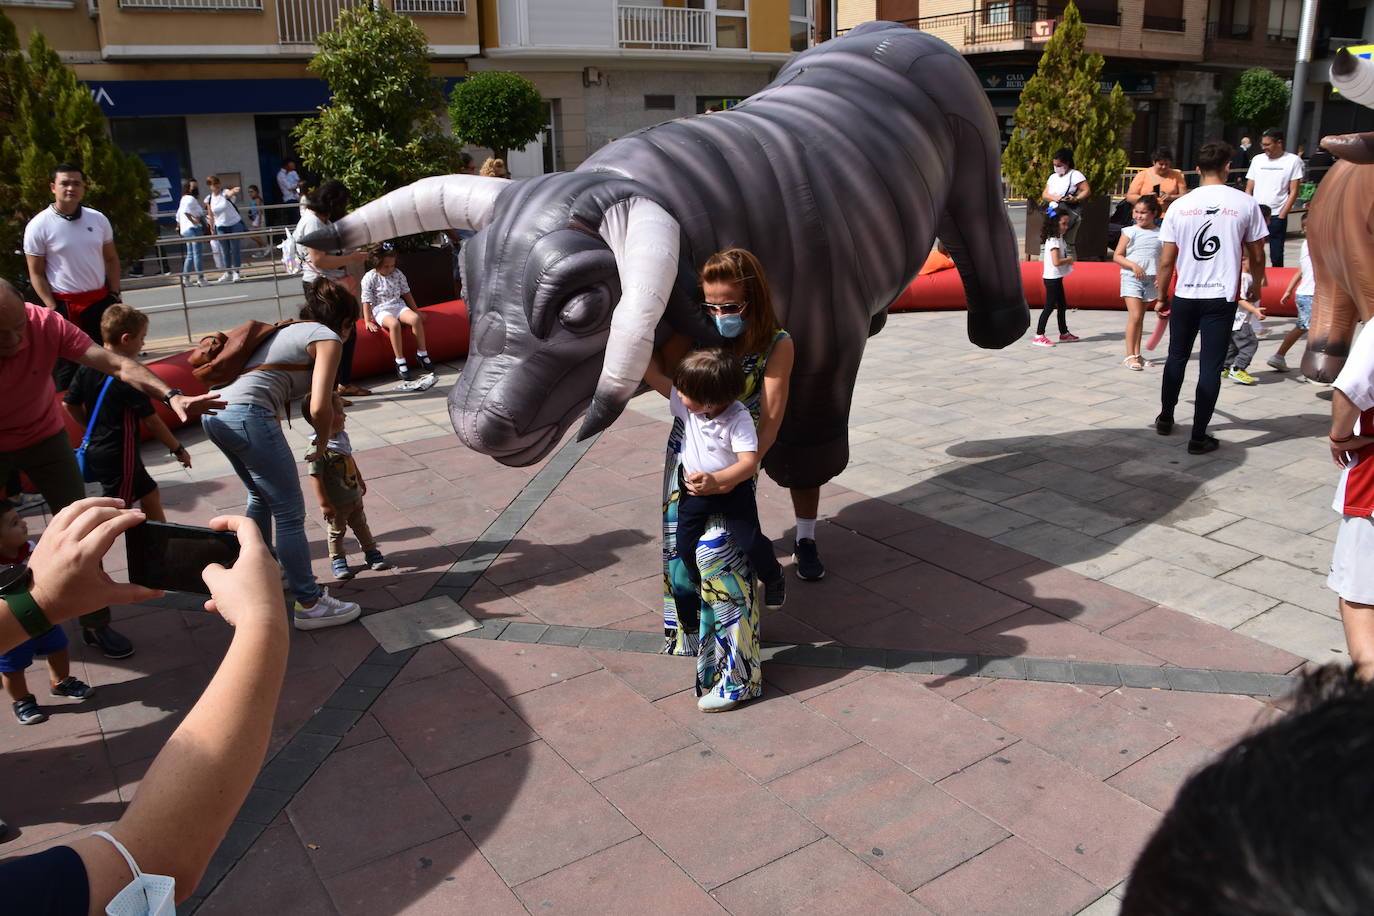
point(170, 556)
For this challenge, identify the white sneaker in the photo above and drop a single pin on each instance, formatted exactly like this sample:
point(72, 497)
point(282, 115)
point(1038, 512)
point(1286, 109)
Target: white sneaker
point(223, 278)
point(1277, 363)
point(713, 702)
point(235, 278)
point(327, 611)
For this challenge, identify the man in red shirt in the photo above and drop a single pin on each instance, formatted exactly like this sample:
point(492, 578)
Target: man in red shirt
point(33, 437)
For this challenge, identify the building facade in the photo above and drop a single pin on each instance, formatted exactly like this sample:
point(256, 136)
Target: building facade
point(198, 87)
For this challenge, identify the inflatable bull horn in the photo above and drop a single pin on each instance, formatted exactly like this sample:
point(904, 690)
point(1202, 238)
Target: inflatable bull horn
point(838, 176)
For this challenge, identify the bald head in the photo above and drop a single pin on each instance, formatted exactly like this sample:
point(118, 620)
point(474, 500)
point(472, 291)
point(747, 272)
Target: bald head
point(14, 320)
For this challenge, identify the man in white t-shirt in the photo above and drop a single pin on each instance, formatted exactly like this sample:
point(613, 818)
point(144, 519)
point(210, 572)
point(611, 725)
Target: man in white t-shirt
point(289, 186)
point(1273, 180)
point(1203, 234)
point(73, 264)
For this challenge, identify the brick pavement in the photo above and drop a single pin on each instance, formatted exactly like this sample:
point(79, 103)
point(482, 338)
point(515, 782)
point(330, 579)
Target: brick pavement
point(1011, 540)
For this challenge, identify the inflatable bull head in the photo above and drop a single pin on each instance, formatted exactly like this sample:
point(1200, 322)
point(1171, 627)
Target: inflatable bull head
point(1340, 230)
point(838, 176)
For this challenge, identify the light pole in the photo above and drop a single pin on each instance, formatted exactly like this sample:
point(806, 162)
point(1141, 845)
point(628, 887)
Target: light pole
point(1305, 28)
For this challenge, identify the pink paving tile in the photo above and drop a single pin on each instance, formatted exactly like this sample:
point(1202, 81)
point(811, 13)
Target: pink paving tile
point(856, 557)
point(651, 676)
point(958, 551)
point(947, 686)
point(599, 725)
point(362, 804)
point(163, 640)
point(1212, 720)
point(615, 552)
point(494, 488)
point(561, 521)
point(1086, 826)
point(1087, 602)
point(377, 463)
point(1191, 643)
point(870, 517)
point(766, 737)
point(595, 487)
point(510, 668)
point(529, 813)
point(821, 878)
point(274, 876)
point(1040, 634)
point(680, 802)
point(893, 820)
point(911, 725)
point(647, 591)
point(944, 597)
point(53, 788)
point(448, 721)
point(647, 622)
point(526, 558)
point(780, 626)
point(427, 444)
point(574, 601)
point(438, 878)
point(909, 630)
point(833, 605)
point(1011, 877)
point(485, 601)
point(803, 682)
point(412, 489)
point(451, 517)
point(631, 877)
point(1073, 724)
point(302, 692)
point(427, 661)
point(1157, 779)
point(366, 729)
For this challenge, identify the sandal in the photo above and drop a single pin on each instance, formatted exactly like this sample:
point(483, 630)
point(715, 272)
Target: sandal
point(1134, 362)
point(354, 391)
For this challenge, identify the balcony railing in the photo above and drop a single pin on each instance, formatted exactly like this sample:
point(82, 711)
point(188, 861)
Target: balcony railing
point(431, 7)
point(1235, 31)
point(1000, 22)
point(661, 28)
point(1165, 24)
point(190, 4)
point(300, 22)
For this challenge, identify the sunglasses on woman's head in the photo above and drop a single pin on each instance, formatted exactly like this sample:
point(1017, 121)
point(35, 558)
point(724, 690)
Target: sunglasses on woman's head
point(723, 308)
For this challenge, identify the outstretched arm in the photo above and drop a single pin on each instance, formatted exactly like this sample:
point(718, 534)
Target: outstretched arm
point(141, 377)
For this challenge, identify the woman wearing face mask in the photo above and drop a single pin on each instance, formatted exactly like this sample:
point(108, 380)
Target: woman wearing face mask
point(726, 637)
point(1065, 190)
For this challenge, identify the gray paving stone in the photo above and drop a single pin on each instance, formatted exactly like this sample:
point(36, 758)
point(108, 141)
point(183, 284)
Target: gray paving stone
point(1285, 582)
point(1313, 636)
point(491, 629)
point(1241, 682)
point(369, 675)
point(1011, 667)
point(909, 661)
point(523, 632)
point(647, 643)
point(1199, 554)
point(1278, 685)
point(426, 621)
point(563, 636)
point(1048, 669)
point(332, 720)
point(1096, 673)
point(1142, 676)
point(946, 664)
point(359, 698)
point(1293, 548)
point(1077, 552)
point(1214, 600)
point(262, 805)
point(603, 639)
point(870, 659)
point(380, 656)
point(1193, 680)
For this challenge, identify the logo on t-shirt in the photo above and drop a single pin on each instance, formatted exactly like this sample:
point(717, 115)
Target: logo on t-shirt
point(1205, 247)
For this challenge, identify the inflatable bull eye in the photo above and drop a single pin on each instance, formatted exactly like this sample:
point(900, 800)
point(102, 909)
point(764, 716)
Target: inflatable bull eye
point(837, 176)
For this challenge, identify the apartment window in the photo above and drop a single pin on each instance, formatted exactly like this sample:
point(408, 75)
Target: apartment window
point(49, 4)
point(732, 24)
point(1164, 15)
point(191, 4)
point(1284, 16)
point(998, 13)
point(660, 102)
point(1228, 19)
point(802, 14)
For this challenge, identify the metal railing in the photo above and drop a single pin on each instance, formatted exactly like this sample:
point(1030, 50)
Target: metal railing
point(1000, 22)
point(300, 22)
point(431, 7)
point(190, 4)
point(1231, 31)
point(664, 28)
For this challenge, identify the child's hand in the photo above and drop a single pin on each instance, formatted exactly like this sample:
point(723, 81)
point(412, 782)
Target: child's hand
point(328, 511)
point(372, 326)
point(1259, 312)
point(184, 457)
point(1283, 300)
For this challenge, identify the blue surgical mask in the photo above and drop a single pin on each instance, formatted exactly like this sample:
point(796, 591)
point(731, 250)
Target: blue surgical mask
point(729, 326)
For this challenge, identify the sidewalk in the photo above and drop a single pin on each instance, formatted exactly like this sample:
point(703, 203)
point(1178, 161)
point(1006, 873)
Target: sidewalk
point(1039, 617)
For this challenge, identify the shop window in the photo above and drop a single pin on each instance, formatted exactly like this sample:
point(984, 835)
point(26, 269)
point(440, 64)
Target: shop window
point(660, 102)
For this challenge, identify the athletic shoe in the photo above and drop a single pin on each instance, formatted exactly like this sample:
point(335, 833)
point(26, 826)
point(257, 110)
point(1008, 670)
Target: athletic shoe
point(1040, 340)
point(713, 703)
point(1067, 338)
point(426, 363)
point(375, 560)
point(234, 277)
point(403, 371)
point(808, 560)
point(328, 611)
point(73, 688)
point(1203, 446)
point(108, 642)
point(340, 567)
point(224, 278)
point(1277, 363)
point(27, 711)
point(1241, 377)
point(775, 592)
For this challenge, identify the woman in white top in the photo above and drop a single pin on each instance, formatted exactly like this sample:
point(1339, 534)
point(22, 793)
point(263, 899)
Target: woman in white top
point(322, 206)
point(1138, 252)
point(1065, 190)
point(191, 224)
point(224, 220)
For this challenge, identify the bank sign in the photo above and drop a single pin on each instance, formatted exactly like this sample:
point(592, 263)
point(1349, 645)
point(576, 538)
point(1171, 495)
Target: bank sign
point(1015, 80)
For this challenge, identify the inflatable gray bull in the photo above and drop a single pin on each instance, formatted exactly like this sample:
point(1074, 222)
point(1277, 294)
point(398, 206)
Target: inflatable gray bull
point(838, 176)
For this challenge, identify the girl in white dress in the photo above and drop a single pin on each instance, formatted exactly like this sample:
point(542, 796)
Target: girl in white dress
point(387, 303)
point(1138, 252)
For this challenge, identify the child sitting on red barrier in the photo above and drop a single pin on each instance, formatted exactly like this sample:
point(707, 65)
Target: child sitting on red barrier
point(387, 303)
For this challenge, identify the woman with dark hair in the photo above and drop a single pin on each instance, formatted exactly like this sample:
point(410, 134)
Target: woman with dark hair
point(1065, 190)
point(297, 359)
point(725, 635)
point(191, 226)
point(324, 205)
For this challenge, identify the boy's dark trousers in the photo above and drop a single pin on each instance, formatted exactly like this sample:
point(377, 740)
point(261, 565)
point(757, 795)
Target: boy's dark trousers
point(741, 520)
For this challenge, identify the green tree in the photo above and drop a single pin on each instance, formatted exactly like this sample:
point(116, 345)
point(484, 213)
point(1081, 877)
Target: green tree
point(1256, 98)
point(499, 110)
point(1063, 105)
point(381, 128)
point(47, 117)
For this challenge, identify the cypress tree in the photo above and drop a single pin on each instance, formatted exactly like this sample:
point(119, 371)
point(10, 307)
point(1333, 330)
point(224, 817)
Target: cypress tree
point(48, 117)
point(1063, 105)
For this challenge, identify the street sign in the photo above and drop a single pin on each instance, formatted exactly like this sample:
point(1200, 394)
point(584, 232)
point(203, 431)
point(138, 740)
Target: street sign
point(1042, 29)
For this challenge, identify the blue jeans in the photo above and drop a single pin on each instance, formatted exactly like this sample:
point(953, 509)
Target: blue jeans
point(194, 252)
point(1212, 318)
point(1278, 230)
point(232, 249)
point(252, 440)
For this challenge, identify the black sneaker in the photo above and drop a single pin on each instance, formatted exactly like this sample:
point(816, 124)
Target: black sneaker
point(1203, 446)
point(71, 687)
point(426, 363)
point(27, 711)
point(775, 592)
point(808, 560)
point(1164, 425)
point(403, 371)
point(108, 642)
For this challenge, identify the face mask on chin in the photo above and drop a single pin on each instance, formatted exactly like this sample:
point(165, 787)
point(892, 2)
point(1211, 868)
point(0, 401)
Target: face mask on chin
point(729, 326)
point(1061, 170)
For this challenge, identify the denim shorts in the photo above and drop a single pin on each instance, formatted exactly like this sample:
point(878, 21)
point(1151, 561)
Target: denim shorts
point(1304, 311)
point(21, 656)
point(1144, 290)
